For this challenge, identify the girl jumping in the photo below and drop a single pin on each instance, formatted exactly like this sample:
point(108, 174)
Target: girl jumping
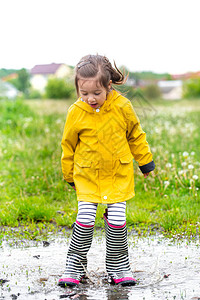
point(101, 137)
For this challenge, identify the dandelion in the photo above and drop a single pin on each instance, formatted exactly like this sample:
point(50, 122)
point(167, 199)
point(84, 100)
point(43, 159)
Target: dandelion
point(46, 129)
point(181, 172)
point(158, 130)
point(195, 177)
point(190, 167)
point(28, 119)
point(168, 165)
point(25, 125)
point(166, 182)
point(185, 154)
point(184, 164)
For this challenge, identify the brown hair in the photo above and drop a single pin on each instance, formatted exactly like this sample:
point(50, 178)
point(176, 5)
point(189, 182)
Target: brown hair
point(96, 65)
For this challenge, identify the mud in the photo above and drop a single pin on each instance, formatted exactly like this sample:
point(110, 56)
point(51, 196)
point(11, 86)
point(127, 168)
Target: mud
point(164, 269)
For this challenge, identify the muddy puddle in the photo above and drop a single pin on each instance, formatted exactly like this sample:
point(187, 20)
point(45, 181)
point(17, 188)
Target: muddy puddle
point(164, 270)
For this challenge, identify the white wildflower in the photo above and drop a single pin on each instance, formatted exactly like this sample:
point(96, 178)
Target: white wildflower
point(28, 119)
point(158, 130)
point(181, 172)
point(185, 154)
point(197, 189)
point(190, 167)
point(168, 165)
point(195, 177)
point(190, 188)
point(166, 182)
point(172, 131)
point(167, 125)
point(58, 121)
point(192, 153)
point(184, 164)
point(18, 145)
point(46, 130)
point(25, 125)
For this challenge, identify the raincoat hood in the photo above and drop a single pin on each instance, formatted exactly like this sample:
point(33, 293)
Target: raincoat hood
point(111, 97)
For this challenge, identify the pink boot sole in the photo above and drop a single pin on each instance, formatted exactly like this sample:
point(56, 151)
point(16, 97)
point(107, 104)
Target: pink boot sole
point(125, 281)
point(63, 282)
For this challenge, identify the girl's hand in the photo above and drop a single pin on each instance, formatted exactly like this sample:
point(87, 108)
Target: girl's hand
point(146, 175)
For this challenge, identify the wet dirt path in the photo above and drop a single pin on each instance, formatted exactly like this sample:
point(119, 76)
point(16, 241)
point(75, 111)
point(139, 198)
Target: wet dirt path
point(164, 270)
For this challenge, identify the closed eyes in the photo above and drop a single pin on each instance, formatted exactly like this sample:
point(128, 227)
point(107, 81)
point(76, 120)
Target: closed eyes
point(96, 94)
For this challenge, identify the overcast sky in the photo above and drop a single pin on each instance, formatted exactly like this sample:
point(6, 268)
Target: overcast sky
point(156, 35)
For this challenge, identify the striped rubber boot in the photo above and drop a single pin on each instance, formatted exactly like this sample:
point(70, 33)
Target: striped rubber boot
point(117, 260)
point(76, 263)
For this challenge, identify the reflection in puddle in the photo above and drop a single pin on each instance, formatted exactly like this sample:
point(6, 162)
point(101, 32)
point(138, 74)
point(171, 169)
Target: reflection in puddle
point(164, 270)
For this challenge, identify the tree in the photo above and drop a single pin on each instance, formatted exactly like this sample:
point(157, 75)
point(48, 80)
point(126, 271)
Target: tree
point(22, 82)
point(152, 91)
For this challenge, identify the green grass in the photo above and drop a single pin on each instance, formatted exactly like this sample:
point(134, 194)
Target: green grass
point(32, 190)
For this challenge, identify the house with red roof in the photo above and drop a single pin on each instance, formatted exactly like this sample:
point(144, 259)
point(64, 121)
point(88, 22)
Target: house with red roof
point(41, 73)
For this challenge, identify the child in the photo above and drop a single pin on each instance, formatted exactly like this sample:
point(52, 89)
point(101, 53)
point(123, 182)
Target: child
point(101, 137)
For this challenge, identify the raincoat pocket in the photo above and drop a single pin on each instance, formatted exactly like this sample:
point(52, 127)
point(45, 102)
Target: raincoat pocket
point(123, 177)
point(85, 177)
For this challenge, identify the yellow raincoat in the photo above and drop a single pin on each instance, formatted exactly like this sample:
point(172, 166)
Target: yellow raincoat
point(98, 150)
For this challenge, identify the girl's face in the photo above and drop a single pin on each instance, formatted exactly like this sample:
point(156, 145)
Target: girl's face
point(92, 92)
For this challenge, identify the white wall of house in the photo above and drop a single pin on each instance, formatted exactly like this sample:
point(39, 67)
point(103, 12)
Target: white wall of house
point(174, 94)
point(171, 89)
point(38, 82)
point(63, 71)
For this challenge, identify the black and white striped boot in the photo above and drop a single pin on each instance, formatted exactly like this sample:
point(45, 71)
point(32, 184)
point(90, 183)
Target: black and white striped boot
point(117, 260)
point(76, 263)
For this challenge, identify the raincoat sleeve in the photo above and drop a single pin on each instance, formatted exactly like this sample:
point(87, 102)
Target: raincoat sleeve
point(69, 142)
point(137, 141)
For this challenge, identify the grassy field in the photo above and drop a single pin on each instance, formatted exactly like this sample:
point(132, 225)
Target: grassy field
point(33, 193)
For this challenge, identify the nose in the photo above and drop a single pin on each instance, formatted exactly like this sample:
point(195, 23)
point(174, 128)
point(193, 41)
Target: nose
point(91, 99)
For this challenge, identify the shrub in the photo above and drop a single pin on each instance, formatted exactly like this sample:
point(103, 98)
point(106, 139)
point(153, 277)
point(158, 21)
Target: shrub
point(34, 94)
point(191, 88)
point(59, 89)
point(152, 91)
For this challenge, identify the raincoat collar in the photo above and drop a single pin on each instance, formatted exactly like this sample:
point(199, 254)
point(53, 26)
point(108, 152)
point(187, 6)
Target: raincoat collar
point(111, 97)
